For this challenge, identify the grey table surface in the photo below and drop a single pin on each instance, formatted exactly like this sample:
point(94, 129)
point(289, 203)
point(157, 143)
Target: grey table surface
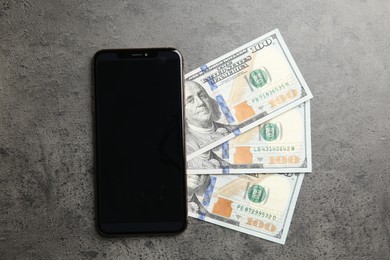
point(46, 148)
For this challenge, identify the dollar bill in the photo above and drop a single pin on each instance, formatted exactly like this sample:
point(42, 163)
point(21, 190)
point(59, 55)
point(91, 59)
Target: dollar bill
point(240, 90)
point(260, 205)
point(280, 145)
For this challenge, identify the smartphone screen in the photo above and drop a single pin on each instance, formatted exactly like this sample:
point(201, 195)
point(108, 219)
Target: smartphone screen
point(139, 146)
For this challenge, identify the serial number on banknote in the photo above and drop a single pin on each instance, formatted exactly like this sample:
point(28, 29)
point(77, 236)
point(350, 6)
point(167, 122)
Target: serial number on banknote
point(256, 212)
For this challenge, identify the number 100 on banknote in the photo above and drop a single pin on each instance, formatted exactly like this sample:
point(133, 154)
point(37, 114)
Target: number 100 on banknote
point(239, 91)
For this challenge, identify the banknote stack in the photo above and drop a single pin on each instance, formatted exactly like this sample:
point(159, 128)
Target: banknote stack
point(248, 138)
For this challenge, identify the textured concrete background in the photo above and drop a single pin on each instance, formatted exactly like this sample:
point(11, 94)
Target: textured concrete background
point(46, 177)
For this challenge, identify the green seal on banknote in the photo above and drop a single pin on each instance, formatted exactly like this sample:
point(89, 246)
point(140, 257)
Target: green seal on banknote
point(270, 132)
point(258, 78)
point(257, 193)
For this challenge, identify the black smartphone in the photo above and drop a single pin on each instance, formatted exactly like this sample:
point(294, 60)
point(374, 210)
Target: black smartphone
point(139, 141)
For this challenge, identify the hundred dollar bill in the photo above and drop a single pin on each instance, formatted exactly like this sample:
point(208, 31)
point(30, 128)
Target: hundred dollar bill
point(240, 90)
point(282, 144)
point(261, 205)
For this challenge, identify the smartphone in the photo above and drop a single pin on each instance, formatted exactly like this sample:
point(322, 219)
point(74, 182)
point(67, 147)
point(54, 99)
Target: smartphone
point(139, 146)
